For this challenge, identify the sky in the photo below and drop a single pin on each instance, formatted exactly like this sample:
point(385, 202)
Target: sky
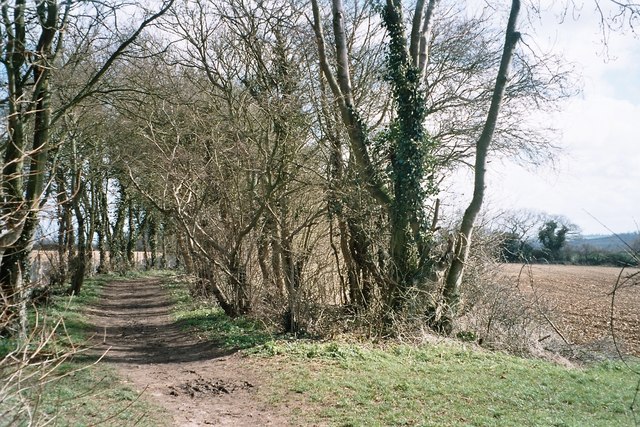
point(596, 180)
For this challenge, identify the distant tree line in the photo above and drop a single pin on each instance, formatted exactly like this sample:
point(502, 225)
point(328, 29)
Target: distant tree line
point(540, 238)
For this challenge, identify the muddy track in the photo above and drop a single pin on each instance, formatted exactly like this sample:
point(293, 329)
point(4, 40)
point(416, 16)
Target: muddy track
point(198, 383)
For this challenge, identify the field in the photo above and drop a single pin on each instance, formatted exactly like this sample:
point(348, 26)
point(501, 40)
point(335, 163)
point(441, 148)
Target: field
point(43, 260)
point(581, 298)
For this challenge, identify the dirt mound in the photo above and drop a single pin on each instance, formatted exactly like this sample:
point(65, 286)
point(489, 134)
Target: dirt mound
point(202, 387)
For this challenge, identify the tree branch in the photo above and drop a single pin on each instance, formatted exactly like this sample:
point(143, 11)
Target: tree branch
point(83, 93)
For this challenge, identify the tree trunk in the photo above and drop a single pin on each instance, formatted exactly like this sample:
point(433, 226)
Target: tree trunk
point(65, 231)
point(131, 237)
point(102, 228)
point(163, 244)
point(292, 270)
point(240, 285)
point(20, 196)
point(263, 255)
point(451, 293)
point(185, 253)
point(153, 240)
point(117, 244)
point(15, 208)
point(79, 265)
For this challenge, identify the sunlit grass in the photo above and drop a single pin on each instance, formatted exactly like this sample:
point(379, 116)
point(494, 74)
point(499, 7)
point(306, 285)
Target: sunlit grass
point(452, 384)
point(96, 395)
point(444, 385)
point(209, 320)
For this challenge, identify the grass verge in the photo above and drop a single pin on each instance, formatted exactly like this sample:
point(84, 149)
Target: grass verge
point(342, 384)
point(210, 321)
point(91, 395)
point(444, 385)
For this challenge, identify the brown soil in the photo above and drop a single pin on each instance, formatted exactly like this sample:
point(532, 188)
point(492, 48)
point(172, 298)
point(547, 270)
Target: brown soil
point(581, 298)
point(198, 383)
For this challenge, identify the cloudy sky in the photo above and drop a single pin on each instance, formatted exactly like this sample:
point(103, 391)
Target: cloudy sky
point(597, 178)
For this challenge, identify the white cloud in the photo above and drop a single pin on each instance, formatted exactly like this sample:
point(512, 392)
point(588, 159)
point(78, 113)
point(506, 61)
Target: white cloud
point(598, 174)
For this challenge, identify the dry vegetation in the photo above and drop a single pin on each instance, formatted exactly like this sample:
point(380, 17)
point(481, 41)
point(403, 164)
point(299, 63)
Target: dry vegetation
point(581, 298)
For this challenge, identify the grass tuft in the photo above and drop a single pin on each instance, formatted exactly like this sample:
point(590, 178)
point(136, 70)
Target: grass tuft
point(203, 318)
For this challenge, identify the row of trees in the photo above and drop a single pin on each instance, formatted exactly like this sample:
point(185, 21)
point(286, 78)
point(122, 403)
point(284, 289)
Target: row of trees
point(316, 175)
point(533, 237)
point(56, 56)
point(529, 236)
point(294, 151)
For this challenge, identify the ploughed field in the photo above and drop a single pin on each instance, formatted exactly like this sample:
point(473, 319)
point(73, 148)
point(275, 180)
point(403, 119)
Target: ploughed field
point(581, 300)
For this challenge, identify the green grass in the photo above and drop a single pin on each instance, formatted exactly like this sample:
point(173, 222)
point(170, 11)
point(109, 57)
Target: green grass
point(342, 384)
point(76, 392)
point(90, 396)
point(61, 314)
point(203, 318)
point(444, 385)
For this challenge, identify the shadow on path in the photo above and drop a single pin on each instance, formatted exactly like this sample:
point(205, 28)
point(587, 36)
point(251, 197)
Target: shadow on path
point(133, 322)
point(195, 381)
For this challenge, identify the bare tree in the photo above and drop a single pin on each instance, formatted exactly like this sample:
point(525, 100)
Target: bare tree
point(412, 150)
point(451, 292)
point(33, 37)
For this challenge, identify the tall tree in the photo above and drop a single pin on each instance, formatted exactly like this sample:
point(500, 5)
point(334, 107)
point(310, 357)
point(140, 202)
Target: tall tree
point(462, 245)
point(411, 149)
point(553, 237)
point(33, 38)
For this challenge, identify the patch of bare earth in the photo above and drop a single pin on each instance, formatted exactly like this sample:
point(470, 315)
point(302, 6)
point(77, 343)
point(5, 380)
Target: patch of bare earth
point(581, 298)
point(198, 383)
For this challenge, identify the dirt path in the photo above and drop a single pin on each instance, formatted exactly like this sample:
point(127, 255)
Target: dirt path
point(198, 383)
